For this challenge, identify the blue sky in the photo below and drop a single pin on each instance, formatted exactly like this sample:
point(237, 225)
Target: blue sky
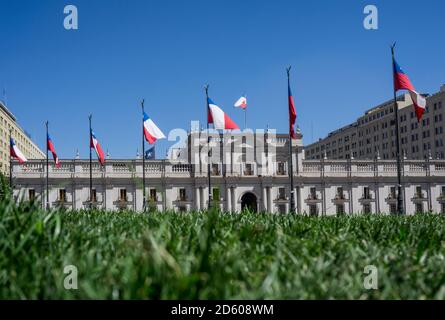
point(165, 51)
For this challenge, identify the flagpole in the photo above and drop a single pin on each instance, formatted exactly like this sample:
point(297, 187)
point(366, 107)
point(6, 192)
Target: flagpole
point(245, 118)
point(143, 157)
point(10, 164)
point(399, 161)
point(208, 145)
point(47, 168)
point(91, 165)
point(291, 170)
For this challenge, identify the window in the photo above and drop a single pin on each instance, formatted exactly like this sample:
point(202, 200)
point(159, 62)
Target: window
point(183, 197)
point(93, 195)
point(340, 194)
point(31, 194)
point(366, 193)
point(282, 208)
point(123, 195)
point(313, 194)
point(153, 195)
point(442, 207)
point(392, 208)
point(418, 192)
point(313, 210)
point(215, 193)
point(281, 168)
point(392, 193)
point(340, 209)
point(367, 208)
point(62, 195)
point(419, 207)
point(248, 171)
point(281, 193)
point(215, 169)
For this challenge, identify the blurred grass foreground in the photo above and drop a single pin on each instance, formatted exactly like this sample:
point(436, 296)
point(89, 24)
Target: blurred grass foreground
point(213, 255)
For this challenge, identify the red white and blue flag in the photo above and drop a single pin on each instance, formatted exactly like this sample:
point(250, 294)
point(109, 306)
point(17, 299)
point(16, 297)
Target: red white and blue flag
point(241, 103)
point(16, 153)
point(292, 114)
point(402, 82)
point(151, 130)
point(96, 146)
point(219, 118)
point(51, 148)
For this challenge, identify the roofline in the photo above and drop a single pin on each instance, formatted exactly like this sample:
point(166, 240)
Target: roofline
point(9, 113)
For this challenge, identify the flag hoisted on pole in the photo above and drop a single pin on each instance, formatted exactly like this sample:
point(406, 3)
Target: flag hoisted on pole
point(292, 135)
point(10, 161)
point(91, 165)
point(209, 120)
point(144, 199)
point(94, 144)
point(242, 103)
point(151, 133)
point(217, 117)
point(402, 82)
point(220, 121)
point(49, 147)
point(14, 152)
point(150, 154)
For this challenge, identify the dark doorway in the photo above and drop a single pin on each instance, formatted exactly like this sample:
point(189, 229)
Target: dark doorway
point(248, 202)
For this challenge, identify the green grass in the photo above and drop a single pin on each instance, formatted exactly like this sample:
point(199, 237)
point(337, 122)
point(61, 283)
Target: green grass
point(125, 255)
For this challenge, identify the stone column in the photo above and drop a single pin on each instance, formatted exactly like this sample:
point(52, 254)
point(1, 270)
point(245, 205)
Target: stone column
point(298, 199)
point(265, 198)
point(234, 208)
point(205, 198)
point(197, 199)
point(269, 200)
point(229, 199)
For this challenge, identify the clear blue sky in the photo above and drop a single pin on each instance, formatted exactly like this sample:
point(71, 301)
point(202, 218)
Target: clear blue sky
point(165, 51)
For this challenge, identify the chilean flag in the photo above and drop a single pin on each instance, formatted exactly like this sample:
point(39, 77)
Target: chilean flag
point(292, 114)
point(151, 130)
point(218, 117)
point(402, 82)
point(95, 144)
point(241, 103)
point(51, 148)
point(16, 153)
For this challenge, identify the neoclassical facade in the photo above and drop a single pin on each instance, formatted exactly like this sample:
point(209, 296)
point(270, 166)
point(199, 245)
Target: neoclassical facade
point(239, 179)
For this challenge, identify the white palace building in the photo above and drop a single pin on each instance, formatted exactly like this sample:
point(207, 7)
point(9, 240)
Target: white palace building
point(252, 174)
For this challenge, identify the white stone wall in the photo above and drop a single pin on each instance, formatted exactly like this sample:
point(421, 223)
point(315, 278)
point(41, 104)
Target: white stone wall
point(168, 177)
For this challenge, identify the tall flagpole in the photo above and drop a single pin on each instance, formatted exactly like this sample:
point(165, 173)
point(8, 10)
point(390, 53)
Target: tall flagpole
point(291, 170)
point(10, 163)
point(208, 145)
point(399, 161)
point(47, 168)
point(91, 166)
point(143, 157)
